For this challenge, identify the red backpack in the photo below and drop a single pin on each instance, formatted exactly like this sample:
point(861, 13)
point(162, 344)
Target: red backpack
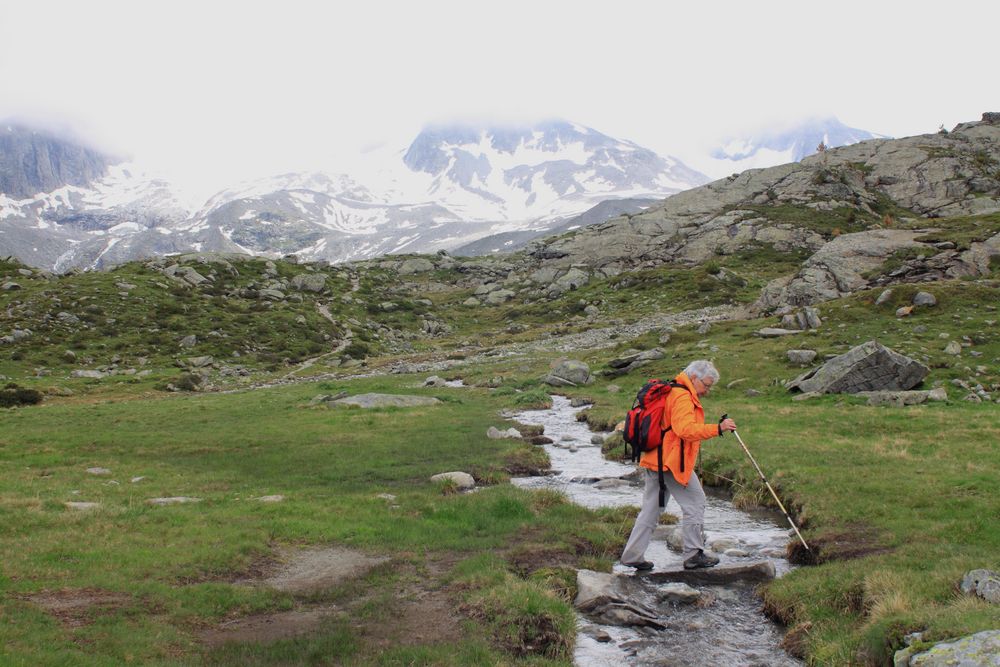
point(644, 424)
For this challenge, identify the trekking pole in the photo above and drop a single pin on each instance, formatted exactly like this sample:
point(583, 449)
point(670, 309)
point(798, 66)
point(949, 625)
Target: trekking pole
point(766, 483)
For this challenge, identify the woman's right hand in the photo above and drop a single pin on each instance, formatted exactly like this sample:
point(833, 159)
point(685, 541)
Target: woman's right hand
point(727, 424)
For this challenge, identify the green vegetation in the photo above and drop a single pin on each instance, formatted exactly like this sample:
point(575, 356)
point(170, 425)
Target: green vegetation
point(898, 502)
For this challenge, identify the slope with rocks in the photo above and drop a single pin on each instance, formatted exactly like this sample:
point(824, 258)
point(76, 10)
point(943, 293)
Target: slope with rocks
point(850, 208)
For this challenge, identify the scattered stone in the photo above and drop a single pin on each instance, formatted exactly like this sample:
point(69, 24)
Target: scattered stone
point(471, 302)
point(704, 328)
point(905, 311)
point(98, 471)
point(493, 433)
point(751, 393)
point(87, 374)
point(189, 341)
point(386, 496)
point(984, 583)
point(462, 480)
point(309, 282)
point(415, 265)
point(271, 499)
point(895, 398)
point(770, 332)
point(386, 400)
point(200, 362)
point(434, 381)
point(569, 373)
point(883, 297)
point(937, 394)
point(953, 347)
point(801, 357)
point(808, 395)
point(924, 299)
point(173, 500)
point(867, 367)
point(9, 286)
point(81, 506)
point(136, 480)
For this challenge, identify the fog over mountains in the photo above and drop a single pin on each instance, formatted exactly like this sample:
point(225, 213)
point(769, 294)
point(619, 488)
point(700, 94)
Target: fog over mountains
point(460, 187)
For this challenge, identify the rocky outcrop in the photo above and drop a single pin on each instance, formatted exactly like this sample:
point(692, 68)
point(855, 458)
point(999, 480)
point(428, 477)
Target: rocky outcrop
point(981, 650)
point(868, 367)
point(33, 161)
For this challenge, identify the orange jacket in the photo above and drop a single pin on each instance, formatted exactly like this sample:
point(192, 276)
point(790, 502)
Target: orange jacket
point(687, 423)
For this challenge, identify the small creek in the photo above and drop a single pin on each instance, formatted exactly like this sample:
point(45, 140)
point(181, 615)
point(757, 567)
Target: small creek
point(731, 630)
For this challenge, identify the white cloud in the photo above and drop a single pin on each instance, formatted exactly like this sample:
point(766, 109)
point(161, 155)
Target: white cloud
point(214, 91)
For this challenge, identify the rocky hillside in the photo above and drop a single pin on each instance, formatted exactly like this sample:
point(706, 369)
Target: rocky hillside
point(850, 209)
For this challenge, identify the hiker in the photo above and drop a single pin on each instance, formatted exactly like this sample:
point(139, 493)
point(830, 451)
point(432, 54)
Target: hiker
point(685, 418)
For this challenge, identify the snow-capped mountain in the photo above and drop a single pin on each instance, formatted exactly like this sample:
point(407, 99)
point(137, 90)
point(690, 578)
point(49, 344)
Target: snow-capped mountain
point(772, 147)
point(449, 187)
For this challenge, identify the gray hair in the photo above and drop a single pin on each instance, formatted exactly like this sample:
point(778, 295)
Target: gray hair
point(702, 369)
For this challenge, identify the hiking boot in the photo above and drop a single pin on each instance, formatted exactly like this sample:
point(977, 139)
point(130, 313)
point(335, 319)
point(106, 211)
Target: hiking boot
point(700, 560)
point(641, 565)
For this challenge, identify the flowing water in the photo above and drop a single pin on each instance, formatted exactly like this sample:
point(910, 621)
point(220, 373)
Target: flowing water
point(732, 629)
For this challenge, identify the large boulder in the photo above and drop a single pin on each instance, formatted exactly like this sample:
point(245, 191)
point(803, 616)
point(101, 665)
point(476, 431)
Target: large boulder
point(309, 282)
point(415, 265)
point(981, 649)
point(569, 373)
point(868, 367)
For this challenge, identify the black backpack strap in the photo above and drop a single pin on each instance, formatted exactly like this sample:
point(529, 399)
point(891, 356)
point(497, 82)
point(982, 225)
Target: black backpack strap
point(659, 467)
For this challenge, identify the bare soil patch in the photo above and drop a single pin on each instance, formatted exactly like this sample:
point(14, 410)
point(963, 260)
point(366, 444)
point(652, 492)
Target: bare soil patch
point(266, 628)
point(311, 570)
point(854, 541)
point(75, 608)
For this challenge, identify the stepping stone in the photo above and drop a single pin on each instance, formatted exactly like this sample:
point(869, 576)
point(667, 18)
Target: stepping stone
point(721, 574)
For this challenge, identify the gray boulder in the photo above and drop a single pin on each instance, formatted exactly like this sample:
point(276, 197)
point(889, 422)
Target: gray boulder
point(569, 373)
point(868, 367)
point(415, 265)
point(984, 583)
point(801, 357)
point(386, 401)
point(462, 480)
point(979, 650)
point(606, 598)
point(309, 282)
point(773, 332)
point(924, 299)
point(499, 296)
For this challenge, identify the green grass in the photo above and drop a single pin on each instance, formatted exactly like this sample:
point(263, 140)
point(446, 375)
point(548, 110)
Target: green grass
point(174, 565)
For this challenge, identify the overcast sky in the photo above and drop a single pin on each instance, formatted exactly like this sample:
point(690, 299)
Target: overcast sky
point(210, 92)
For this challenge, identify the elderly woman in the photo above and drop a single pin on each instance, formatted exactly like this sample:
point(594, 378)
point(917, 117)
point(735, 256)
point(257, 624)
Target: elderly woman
point(684, 423)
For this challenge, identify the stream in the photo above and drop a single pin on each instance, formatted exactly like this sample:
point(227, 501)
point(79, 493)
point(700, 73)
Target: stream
point(731, 628)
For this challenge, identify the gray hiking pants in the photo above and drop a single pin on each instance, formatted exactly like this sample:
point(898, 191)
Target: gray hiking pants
point(691, 498)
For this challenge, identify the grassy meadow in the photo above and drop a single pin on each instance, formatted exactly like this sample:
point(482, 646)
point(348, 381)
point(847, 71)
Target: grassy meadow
point(897, 502)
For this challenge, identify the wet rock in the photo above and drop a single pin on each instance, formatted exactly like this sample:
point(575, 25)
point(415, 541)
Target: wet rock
point(386, 400)
point(604, 598)
point(984, 583)
point(721, 574)
point(462, 480)
point(678, 592)
point(868, 367)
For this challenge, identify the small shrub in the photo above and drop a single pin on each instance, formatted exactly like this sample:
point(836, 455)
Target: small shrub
point(13, 395)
